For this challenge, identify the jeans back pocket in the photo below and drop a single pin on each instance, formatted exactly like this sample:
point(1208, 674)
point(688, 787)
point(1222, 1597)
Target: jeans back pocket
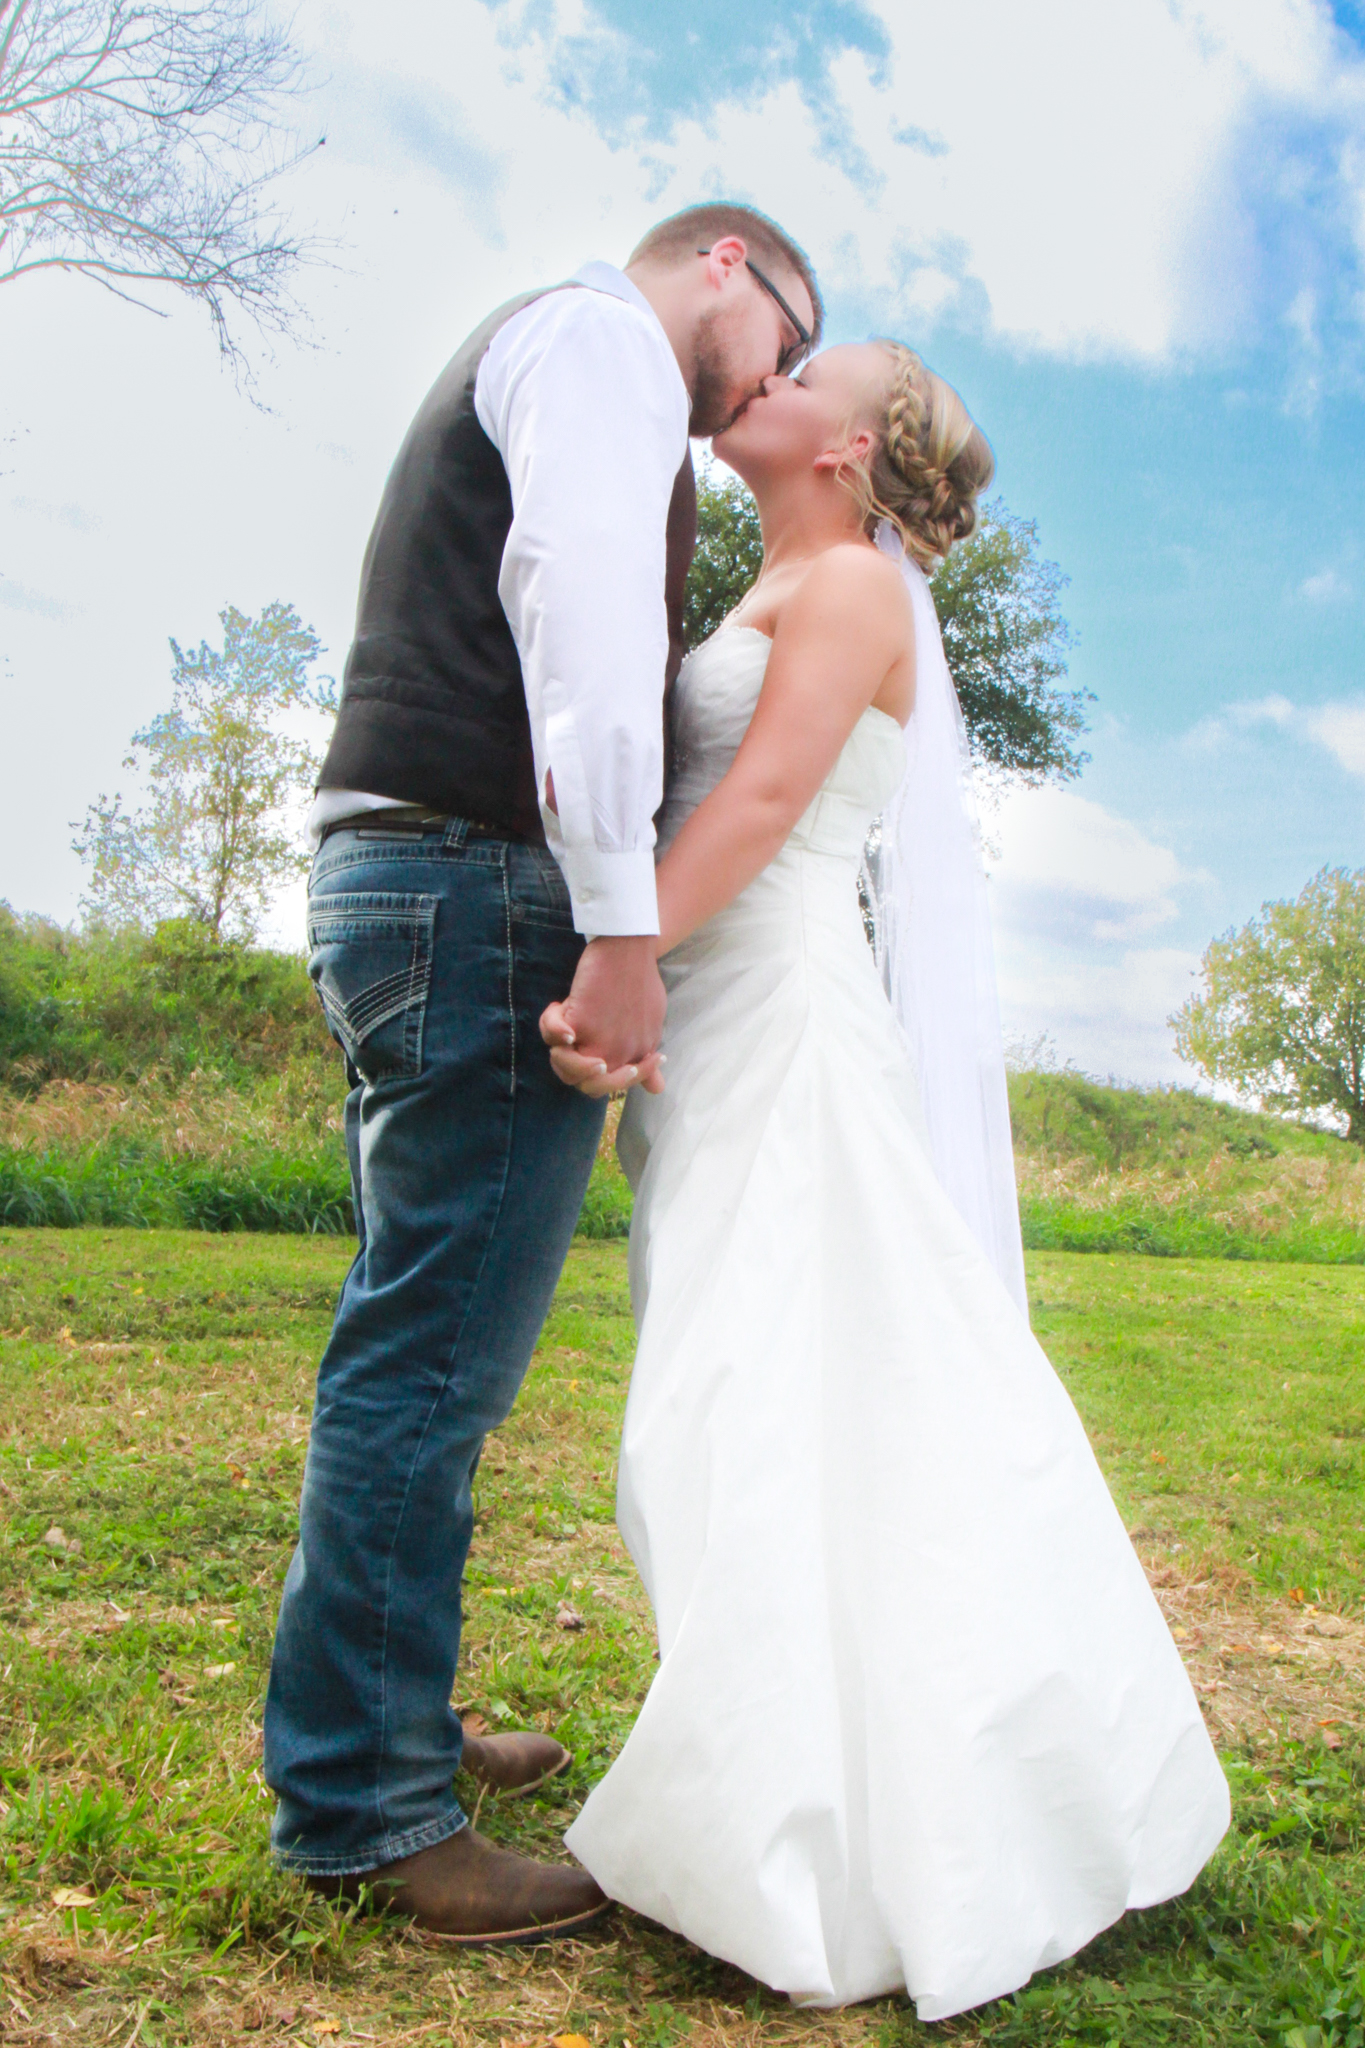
point(370, 962)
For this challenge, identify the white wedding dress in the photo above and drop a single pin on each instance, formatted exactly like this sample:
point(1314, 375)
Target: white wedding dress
point(918, 1721)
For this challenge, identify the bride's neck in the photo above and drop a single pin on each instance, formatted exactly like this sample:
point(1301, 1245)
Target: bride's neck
point(799, 521)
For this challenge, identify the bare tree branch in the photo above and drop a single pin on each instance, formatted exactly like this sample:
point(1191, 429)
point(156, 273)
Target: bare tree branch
point(141, 143)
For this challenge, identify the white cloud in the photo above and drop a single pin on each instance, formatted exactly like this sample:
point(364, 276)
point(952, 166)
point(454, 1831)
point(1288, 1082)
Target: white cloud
point(1324, 587)
point(1070, 866)
point(1243, 717)
point(1074, 886)
point(1135, 180)
point(1271, 710)
point(1105, 1016)
point(1341, 729)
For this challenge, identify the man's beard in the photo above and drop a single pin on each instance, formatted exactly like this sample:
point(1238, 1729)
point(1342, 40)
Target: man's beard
point(715, 400)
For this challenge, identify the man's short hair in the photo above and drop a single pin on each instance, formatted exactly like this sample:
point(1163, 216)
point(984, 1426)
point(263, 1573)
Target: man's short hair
point(697, 227)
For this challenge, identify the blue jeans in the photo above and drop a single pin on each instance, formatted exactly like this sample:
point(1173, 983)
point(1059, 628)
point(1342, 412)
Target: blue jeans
point(433, 955)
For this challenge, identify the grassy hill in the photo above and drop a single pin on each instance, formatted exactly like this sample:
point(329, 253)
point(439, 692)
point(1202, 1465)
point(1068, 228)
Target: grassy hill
point(160, 1081)
point(1173, 1173)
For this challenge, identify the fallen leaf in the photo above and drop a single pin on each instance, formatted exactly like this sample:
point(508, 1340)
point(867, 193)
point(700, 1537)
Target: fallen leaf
point(1158, 1457)
point(327, 2026)
point(1296, 1594)
point(569, 1617)
point(55, 1538)
point(1331, 1740)
point(474, 1724)
point(218, 1670)
point(64, 1335)
point(570, 2041)
point(69, 1899)
point(1328, 1625)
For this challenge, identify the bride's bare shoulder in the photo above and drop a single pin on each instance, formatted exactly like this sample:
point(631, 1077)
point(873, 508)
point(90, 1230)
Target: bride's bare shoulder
point(851, 574)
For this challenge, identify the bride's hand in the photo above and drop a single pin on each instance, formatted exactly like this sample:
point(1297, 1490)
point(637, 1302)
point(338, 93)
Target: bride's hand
point(590, 1075)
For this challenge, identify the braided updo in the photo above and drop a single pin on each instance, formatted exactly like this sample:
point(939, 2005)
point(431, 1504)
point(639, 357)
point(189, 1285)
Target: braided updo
point(930, 464)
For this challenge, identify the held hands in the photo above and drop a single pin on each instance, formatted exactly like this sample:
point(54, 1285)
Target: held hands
point(604, 1036)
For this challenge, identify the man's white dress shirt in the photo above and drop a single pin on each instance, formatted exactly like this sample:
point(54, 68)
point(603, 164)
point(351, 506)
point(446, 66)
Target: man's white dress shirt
point(581, 395)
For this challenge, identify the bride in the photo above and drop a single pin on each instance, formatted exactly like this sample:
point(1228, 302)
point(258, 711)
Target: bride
point(917, 1722)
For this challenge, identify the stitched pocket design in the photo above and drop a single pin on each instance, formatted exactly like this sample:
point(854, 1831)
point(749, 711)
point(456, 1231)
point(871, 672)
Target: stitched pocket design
point(370, 962)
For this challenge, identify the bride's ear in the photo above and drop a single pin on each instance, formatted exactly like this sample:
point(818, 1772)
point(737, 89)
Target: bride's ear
point(856, 452)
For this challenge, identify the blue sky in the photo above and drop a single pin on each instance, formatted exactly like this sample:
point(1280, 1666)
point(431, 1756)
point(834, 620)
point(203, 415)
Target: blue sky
point(1133, 235)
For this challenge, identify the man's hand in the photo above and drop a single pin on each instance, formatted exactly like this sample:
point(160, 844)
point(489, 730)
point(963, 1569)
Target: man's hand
point(604, 1036)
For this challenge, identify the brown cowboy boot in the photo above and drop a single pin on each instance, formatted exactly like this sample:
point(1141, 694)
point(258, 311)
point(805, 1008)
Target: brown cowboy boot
point(513, 1763)
point(474, 1896)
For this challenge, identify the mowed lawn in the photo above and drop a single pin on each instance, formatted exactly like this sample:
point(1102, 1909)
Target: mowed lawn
point(154, 1401)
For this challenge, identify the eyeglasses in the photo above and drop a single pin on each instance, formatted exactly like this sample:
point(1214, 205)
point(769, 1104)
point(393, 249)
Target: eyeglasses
point(792, 354)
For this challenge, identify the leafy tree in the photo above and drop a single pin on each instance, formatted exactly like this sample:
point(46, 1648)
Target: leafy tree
point(214, 840)
point(1282, 1017)
point(139, 141)
point(998, 604)
point(729, 553)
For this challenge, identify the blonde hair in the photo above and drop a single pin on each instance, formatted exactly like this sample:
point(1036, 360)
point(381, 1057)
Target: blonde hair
point(930, 464)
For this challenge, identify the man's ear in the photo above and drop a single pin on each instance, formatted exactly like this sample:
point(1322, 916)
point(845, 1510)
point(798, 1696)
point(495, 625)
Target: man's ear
point(726, 256)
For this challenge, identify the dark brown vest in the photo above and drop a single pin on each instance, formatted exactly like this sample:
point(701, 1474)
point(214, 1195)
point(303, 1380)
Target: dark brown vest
point(433, 708)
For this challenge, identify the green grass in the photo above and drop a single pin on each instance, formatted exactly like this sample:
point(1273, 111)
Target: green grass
point(154, 1395)
point(1228, 1406)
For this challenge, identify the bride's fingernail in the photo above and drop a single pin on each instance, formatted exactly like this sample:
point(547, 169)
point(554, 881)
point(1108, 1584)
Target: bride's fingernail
point(631, 1071)
point(661, 1059)
point(569, 1038)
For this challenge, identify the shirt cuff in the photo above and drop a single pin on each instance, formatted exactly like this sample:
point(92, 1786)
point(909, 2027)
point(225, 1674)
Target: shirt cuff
point(613, 894)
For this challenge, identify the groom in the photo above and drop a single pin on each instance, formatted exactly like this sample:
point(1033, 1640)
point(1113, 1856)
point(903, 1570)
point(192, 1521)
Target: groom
point(484, 834)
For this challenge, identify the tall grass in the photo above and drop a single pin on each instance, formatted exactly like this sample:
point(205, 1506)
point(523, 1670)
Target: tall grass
point(205, 1153)
point(229, 1146)
point(1171, 1173)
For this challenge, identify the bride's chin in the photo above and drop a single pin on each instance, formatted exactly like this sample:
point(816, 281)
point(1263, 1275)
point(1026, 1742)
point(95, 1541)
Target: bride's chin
point(730, 444)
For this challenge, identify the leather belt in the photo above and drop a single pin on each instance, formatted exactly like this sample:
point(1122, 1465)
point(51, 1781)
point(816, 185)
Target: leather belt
point(410, 818)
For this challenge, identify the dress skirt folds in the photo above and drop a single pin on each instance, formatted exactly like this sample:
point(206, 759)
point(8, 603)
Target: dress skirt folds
point(918, 1722)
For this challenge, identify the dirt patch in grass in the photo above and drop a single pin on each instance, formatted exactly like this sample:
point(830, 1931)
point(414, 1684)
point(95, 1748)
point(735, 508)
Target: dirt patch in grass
point(1267, 1669)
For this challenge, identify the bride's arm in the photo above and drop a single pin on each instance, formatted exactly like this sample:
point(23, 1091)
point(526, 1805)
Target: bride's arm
point(838, 638)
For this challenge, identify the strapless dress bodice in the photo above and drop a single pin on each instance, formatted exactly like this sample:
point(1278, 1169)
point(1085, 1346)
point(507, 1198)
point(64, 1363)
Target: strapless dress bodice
point(713, 701)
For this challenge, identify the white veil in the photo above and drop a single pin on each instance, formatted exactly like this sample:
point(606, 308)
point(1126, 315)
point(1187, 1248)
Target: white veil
point(927, 889)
